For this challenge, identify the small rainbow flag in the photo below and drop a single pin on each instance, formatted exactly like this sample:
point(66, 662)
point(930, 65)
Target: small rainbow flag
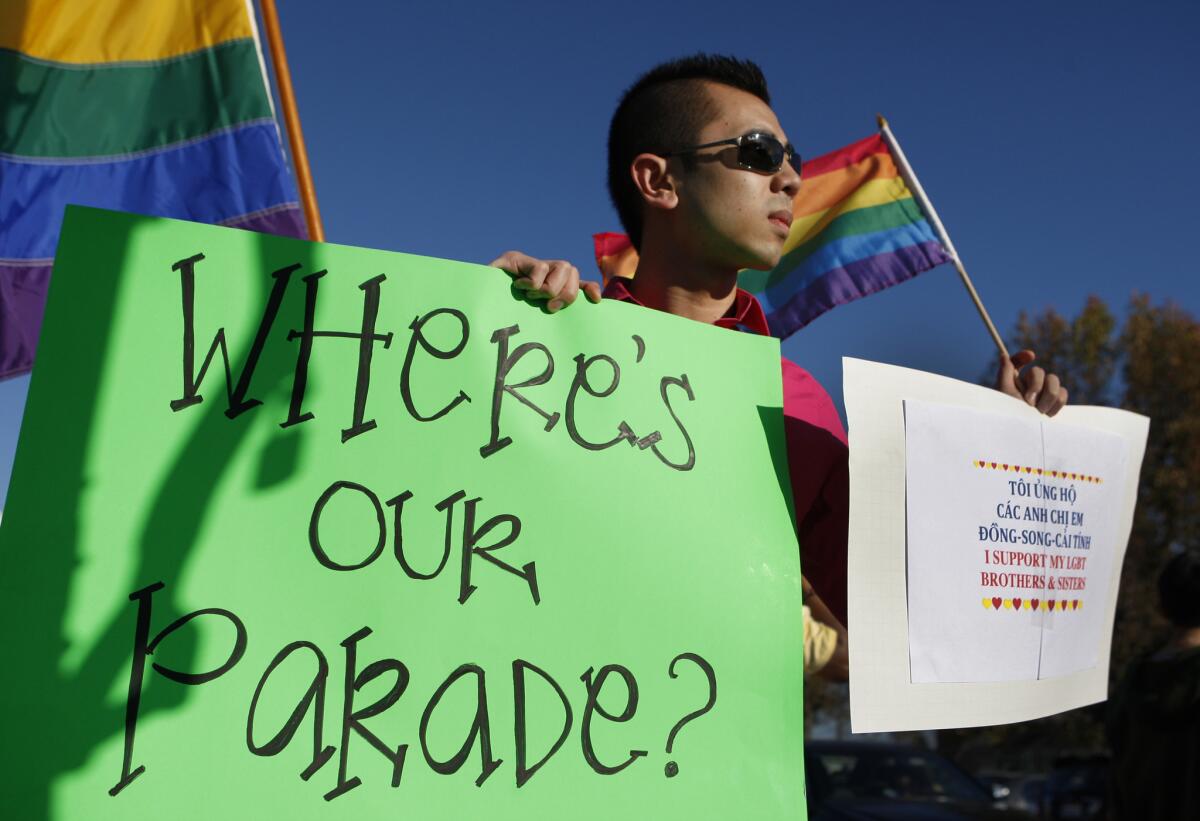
point(615, 255)
point(856, 230)
point(155, 107)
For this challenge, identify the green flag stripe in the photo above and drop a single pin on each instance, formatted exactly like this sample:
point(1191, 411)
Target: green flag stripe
point(52, 110)
point(861, 221)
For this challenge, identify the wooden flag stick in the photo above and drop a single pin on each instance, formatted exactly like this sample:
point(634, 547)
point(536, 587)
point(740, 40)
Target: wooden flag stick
point(291, 118)
point(918, 193)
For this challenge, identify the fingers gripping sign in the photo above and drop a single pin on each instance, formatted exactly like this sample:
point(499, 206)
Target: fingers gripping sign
point(556, 280)
point(1035, 387)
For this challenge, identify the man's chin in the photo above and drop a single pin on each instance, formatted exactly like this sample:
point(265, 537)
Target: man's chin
point(764, 263)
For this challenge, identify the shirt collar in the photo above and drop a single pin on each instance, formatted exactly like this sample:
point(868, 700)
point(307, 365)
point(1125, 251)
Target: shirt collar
point(745, 314)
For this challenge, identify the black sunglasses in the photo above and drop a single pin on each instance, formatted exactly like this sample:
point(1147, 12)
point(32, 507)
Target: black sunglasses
point(756, 151)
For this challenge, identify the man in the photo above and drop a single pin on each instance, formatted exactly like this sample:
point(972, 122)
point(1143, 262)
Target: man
point(1154, 716)
point(703, 177)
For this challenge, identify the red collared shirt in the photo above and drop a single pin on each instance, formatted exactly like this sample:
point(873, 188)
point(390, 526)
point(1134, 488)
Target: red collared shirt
point(818, 457)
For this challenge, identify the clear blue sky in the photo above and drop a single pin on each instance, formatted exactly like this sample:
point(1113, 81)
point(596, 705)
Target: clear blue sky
point(1056, 140)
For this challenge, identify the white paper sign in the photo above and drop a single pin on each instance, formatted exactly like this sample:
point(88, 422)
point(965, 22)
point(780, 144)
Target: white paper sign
point(1011, 525)
point(925, 653)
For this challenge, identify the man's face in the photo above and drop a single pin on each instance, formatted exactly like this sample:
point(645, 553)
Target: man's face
point(736, 217)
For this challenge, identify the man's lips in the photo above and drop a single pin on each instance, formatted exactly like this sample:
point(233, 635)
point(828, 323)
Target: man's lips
point(783, 219)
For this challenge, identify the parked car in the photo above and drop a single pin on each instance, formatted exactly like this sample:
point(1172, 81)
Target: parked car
point(868, 780)
point(1018, 791)
point(1077, 788)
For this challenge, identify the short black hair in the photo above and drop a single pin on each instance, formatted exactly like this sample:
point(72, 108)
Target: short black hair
point(1179, 590)
point(664, 111)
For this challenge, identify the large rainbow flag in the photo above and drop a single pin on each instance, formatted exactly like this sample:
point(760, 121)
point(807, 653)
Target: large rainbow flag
point(149, 106)
point(856, 230)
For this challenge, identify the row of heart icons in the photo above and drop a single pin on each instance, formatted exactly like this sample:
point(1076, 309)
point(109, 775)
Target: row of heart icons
point(1057, 474)
point(997, 603)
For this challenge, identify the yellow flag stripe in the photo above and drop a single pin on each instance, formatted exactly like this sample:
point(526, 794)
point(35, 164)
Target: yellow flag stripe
point(87, 32)
point(875, 192)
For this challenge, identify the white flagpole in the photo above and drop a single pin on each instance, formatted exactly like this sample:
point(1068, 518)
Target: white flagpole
point(918, 193)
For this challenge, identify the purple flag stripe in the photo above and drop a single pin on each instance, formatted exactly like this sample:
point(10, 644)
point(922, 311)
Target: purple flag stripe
point(853, 281)
point(23, 288)
point(283, 220)
point(22, 297)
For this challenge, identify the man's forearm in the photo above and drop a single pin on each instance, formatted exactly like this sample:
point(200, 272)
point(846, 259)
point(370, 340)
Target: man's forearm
point(838, 666)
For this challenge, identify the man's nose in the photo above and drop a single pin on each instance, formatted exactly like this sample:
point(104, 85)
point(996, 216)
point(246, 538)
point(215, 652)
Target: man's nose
point(787, 180)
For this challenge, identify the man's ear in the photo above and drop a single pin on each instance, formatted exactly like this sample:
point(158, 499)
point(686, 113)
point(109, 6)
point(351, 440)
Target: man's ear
point(654, 182)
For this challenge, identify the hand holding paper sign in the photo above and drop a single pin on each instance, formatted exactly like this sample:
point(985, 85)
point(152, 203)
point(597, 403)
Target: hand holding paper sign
point(556, 281)
point(1035, 387)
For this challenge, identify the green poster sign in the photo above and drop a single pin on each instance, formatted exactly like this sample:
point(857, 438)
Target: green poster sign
point(309, 531)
